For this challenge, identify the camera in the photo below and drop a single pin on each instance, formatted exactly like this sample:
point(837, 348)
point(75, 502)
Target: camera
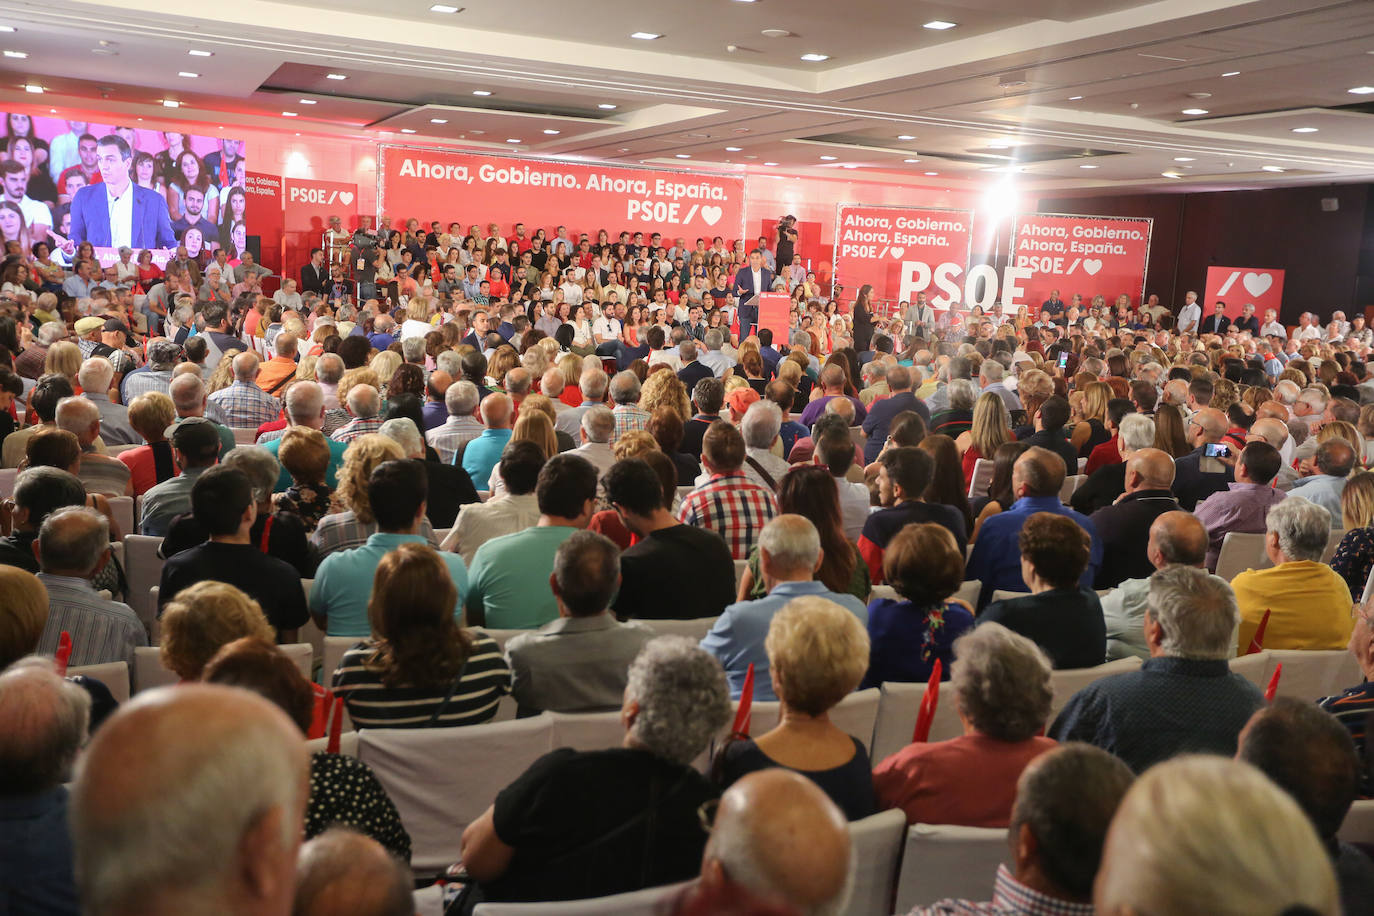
point(1216, 450)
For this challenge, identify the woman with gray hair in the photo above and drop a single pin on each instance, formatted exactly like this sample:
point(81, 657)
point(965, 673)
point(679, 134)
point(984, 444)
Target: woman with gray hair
point(1307, 601)
point(957, 419)
point(277, 533)
point(581, 824)
point(1002, 693)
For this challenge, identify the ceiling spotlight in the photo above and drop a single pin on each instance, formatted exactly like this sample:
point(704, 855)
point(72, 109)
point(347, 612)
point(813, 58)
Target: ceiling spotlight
point(1361, 90)
point(1170, 175)
point(438, 120)
point(770, 163)
point(288, 114)
point(166, 103)
point(550, 132)
point(512, 140)
point(849, 165)
point(481, 92)
point(7, 28)
point(932, 173)
point(829, 158)
point(1184, 159)
point(34, 88)
point(684, 155)
point(1087, 166)
point(999, 146)
point(607, 106)
point(734, 149)
point(186, 73)
point(814, 57)
point(407, 130)
point(20, 55)
point(911, 160)
point(197, 52)
point(1271, 168)
point(775, 33)
point(905, 137)
point(335, 76)
point(309, 102)
point(444, 8)
point(1194, 111)
point(939, 25)
point(1075, 98)
point(1304, 130)
point(1231, 73)
point(646, 36)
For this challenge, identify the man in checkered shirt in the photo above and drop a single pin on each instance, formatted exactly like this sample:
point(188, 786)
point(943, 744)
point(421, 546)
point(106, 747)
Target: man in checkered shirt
point(729, 503)
point(365, 406)
point(244, 404)
point(461, 426)
point(628, 414)
point(163, 356)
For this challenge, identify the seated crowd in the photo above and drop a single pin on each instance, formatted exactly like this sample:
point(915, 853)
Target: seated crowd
point(585, 442)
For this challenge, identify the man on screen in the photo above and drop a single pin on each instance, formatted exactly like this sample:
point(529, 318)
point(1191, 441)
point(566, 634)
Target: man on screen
point(116, 211)
point(195, 215)
point(85, 164)
point(15, 179)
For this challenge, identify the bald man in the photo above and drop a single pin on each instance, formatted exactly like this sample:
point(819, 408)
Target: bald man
point(1124, 526)
point(343, 873)
point(1197, 476)
point(190, 800)
point(1175, 539)
point(1274, 430)
point(778, 840)
point(244, 404)
point(435, 411)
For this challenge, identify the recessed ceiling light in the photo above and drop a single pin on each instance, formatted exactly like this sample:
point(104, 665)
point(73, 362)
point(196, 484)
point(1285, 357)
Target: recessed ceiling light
point(34, 88)
point(1271, 168)
point(932, 173)
point(443, 8)
point(905, 137)
point(197, 52)
point(646, 36)
point(829, 158)
point(170, 103)
point(549, 131)
point(309, 102)
point(911, 160)
point(512, 139)
point(186, 73)
point(7, 28)
point(734, 149)
point(1087, 166)
point(939, 25)
point(1231, 73)
point(814, 57)
point(288, 114)
point(770, 163)
point(407, 130)
point(1075, 98)
point(482, 92)
point(775, 33)
point(849, 165)
point(438, 120)
point(624, 149)
point(1170, 175)
point(1361, 90)
point(607, 106)
point(335, 76)
point(684, 155)
point(1184, 159)
point(1304, 130)
point(18, 55)
point(999, 146)
point(1194, 111)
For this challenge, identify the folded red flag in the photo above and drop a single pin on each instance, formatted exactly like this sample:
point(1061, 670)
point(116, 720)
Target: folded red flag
point(1257, 641)
point(64, 653)
point(746, 702)
point(1272, 690)
point(335, 725)
point(929, 702)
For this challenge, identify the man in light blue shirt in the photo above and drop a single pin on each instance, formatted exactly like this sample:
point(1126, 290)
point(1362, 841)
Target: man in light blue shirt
point(789, 556)
point(481, 454)
point(343, 583)
point(1335, 459)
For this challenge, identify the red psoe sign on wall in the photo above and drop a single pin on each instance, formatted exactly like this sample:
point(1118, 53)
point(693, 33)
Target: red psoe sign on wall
point(902, 251)
point(1262, 287)
point(1088, 255)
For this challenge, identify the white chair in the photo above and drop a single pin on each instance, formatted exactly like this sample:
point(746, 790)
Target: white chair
point(245, 436)
point(7, 480)
point(114, 675)
point(684, 492)
point(312, 634)
point(877, 842)
point(740, 567)
point(1240, 552)
point(122, 508)
point(148, 671)
point(334, 649)
point(1310, 674)
point(969, 591)
point(647, 902)
point(442, 779)
point(1071, 483)
point(1252, 668)
point(940, 862)
point(897, 709)
point(143, 567)
point(302, 653)
point(1332, 542)
point(1002, 594)
point(981, 478)
point(1358, 826)
point(348, 744)
point(696, 628)
point(588, 731)
point(883, 591)
point(1066, 682)
point(502, 636)
point(855, 715)
point(1082, 463)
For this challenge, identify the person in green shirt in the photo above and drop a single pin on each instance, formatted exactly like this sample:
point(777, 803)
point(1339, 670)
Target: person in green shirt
point(509, 579)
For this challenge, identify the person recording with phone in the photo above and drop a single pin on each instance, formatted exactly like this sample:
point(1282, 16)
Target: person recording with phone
point(1200, 474)
point(115, 212)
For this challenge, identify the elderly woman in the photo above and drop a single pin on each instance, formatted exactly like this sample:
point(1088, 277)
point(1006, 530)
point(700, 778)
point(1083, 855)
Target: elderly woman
point(353, 522)
point(817, 652)
point(1354, 558)
point(1002, 694)
point(343, 789)
point(304, 452)
point(957, 419)
point(202, 619)
point(419, 669)
point(1308, 602)
point(632, 820)
point(926, 567)
point(150, 464)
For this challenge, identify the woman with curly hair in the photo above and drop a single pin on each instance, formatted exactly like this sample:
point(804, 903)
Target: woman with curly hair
point(665, 389)
point(352, 522)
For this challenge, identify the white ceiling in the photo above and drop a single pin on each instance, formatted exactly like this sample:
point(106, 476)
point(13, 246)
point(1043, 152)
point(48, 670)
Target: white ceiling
point(1038, 87)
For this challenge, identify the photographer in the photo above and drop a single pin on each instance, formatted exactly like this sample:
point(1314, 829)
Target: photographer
point(787, 240)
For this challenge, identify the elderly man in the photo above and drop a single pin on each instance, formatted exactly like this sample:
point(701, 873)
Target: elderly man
point(1037, 478)
point(43, 401)
point(1272, 427)
point(1065, 802)
point(1184, 699)
point(714, 358)
point(305, 407)
point(188, 394)
point(593, 385)
point(1196, 474)
point(434, 412)
point(243, 404)
point(480, 455)
point(598, 427)
point(1124, 526)
point(461, 427)
point(628, 414)
point(163, 356)
point(281, 368)
point(881, 412)
point(789, 555)
point(728, 503)
point(43, 721)
point(38, 492)
point(73, 547)
point(95, 378)
point(196, 447)
point(343, 873)
point(100, 473)
point(1243, 506)
point(329, 368)
point(990, 375)
point(760, 428)
point(141, 790)
point(1334, 460)
point(29, 362)
point(1308, 602)
point(365, 407)
point(578, 662)
point(832, 381)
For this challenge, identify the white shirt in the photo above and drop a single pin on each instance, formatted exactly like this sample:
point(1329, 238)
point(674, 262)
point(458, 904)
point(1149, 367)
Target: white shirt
point(667, 357)
point(1311, 332)
point(121, 216)
point(854, 507)
point(572, 294)
point(35, 212)
point(1274, 327)
point(758, 281)
point(608, 328)
point(1189, 316)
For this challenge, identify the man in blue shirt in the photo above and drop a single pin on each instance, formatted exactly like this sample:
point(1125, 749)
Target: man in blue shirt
point(480, 455)
point(343, 583)
point(1036, 479)
point(789, 555)
point(881, 412)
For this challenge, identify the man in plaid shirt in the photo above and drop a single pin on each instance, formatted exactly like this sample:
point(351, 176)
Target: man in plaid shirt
point(729, 503)
point(628, 414)
point(243, 404)
point(365, 404)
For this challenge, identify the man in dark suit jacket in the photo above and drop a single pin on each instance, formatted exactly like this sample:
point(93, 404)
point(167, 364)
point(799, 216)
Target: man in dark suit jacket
point(149, 225)
point(1124, 527)
point(751, 280)
point(882, 411)
point(708, 397)
point(1049, 422)
point(1193, 484)
point(693, 369)
point(449, 488)
point(315, 275)
point(1216, 323)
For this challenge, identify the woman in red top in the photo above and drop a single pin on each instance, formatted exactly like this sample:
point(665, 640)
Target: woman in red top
point(149, 465)
point(991, 428)
point(148, 272)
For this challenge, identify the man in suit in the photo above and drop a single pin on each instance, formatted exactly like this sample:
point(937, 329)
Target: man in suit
point(315, 275)
point(1192, 482)
point(882, 411)
point(1049, 423)
point(749, 282)
point(115, 212)
point(1124, 527)
point(1216, 323)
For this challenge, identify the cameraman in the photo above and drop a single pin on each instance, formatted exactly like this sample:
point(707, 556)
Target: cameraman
point(787, 240)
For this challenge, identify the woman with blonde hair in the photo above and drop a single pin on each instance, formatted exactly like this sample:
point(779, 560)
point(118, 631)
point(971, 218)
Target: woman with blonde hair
point(991, 428)
point(223, 375)
point(570, 364)
point(503, 360)
point(352, 522)
point(202, 619)
point(151, 463)
point(532, 426)
point(63, 358)
point(1091, 430)
point(665, 389)
point(1354, 558)
point(417, 322)
point(384, 364)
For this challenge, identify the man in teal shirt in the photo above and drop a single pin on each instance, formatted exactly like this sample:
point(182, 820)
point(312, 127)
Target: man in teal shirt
point(305, 407)
point(481, 454)
point(509, 584)
point(343, 583)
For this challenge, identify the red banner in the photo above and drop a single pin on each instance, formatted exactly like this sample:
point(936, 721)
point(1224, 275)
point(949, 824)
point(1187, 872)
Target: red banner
point(1089, 255)
point(543, 193)
point(775, 313)
point(1261, 287)
point(265, 217)
point(309, 205)
point(902, 251)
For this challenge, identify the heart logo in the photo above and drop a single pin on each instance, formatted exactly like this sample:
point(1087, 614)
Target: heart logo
point(897, 251)
point(1092, 266)
point(346, 197)
point(1257, 284)
point(711, 215)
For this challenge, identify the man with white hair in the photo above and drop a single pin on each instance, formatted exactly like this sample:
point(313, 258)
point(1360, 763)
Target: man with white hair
point(1307, 602)
point(598, 426)
point(99, 473)
point(329, 368)
point(163, 356)
point(990, 375)
point(187, 391)
point(479, 456)
point(1332, 461)
point(145, 785)
point(43, 723)
point(95, 377)
point(1185, 698)
point(629, 415)
point(714, 358)
point(29, 362)
point(461, 426)
point(243, 404)
point(345, 873)
point(305, 408)
point(365, 407)
point(789, 556)
point(593, 384)
point(760, 428)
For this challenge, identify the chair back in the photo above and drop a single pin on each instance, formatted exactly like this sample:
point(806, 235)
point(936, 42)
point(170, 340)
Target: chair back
point(148, 671)
point(648, 902)
point(896, 720)
point(143, 568)
point(588, 731)
point(941, 862)
point(334, 649)
point(1002, 594)
point(348, 744)
point(1239, 552)
point(8, 477)
point(884, 591)
point(122, 508)
point(877, 843)
point(855, 715)
point(696, 629)
point(114, 675)
point(502, 636)
point(244, 436)
point(1071, 483)
point(740, 567)
point(1066, 682)
point(1358, 826)
point(1310, 674)
point(1253, 668)
point(969, 591)
point(981, 478)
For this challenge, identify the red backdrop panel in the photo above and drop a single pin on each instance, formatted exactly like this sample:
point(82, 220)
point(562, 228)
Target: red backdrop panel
point(901, 251)
point(309, 203)
point(1261, 286)
point(265, 217)
point(1089, 255)
point(475, 188)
